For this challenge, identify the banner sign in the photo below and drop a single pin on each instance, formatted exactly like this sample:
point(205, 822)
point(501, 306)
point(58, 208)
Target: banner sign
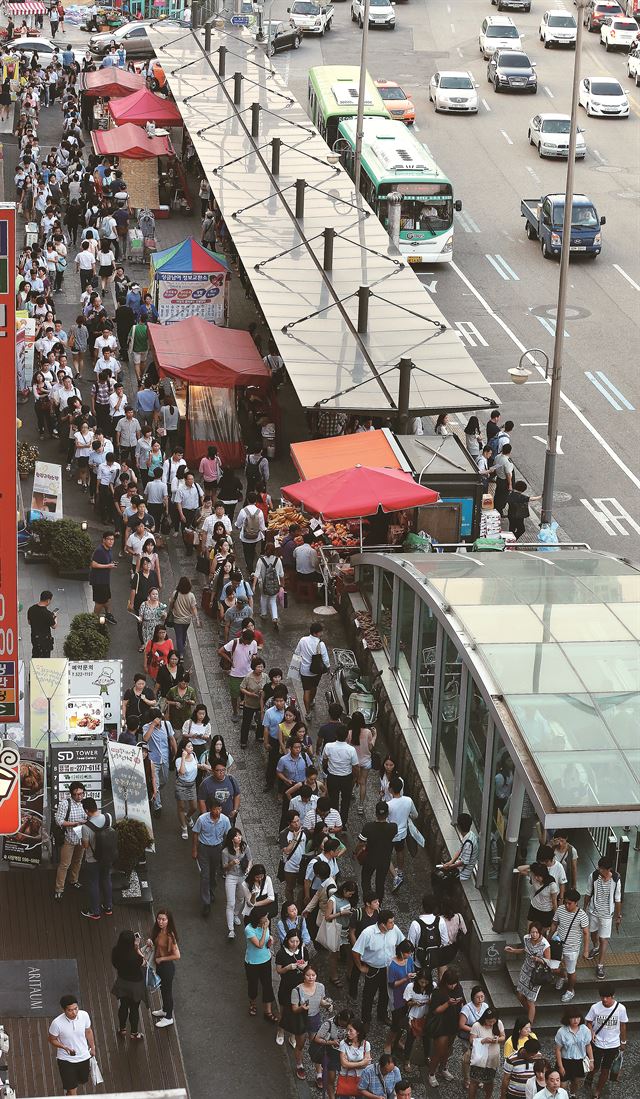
point(128, 783)
point(84, 717)
point(8, 443)
point(25, 847)
point(46, 501)
point(98, 679)
point(77, 760)
point(9, 789)
point(47, 696)
point(25, 348)
point(185, 295)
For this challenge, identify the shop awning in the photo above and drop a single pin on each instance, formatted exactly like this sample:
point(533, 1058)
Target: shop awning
point(130, 141)
point(357, 492)
point(188, 255)
point(145, 106)
point(28, 7)
point(318, 456)
point(201, 353)
point(112, 82)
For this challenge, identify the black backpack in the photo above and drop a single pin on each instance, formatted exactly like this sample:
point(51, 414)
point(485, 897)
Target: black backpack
point(105, 844)
point(430, 941)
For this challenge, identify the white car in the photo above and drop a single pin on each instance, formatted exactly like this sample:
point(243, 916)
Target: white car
point(44, 49)
point(550, 135)
point(498, 32)
point(618, 34)
point(633, 65)
point(558, 28)
point(454, 91)
point(381, 13)
point(603, 96)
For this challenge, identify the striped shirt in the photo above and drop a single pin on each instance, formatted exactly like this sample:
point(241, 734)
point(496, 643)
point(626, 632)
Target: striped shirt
point(604, 895)
point(518, 1070)
point(577, 921)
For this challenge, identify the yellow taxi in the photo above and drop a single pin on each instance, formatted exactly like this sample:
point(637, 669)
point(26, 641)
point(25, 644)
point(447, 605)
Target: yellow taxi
point(397, 102)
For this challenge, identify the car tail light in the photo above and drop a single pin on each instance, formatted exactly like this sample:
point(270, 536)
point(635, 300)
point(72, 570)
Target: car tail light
point(612, 35)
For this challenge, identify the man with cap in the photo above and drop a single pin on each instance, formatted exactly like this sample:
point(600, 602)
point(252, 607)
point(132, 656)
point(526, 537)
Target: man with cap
point(234, 618)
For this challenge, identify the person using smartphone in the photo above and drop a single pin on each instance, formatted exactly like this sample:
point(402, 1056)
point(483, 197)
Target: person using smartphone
point(444, 1010)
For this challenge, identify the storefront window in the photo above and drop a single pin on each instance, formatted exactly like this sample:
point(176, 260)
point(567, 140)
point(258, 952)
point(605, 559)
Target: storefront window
point(405, 635)
point(448, 716)
point(386, 609)
point(502, 771)
point(476, 740)
point(426, 666)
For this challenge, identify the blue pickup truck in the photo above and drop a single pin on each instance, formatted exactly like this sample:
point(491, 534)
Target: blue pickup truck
point(544, 218)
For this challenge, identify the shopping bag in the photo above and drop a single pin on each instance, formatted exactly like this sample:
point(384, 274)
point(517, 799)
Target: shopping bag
point(94, 1072)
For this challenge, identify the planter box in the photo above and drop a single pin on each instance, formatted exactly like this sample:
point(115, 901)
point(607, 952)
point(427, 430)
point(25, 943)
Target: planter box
point(131, 890)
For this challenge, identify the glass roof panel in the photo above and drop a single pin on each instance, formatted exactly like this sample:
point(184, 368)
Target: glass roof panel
point(622, 715)
point(601, 779)
point(531, 669)
point(475, 590)
point(629, 615)
point(553, 589)
point(633, 759)
point(577, 622)
point(584, 563)
point(614, 589)
point(559, 723)
point(614, 667)
point(485, 625)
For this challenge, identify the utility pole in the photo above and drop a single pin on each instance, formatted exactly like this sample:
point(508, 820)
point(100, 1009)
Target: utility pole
point(361, 96)
point(561, 311)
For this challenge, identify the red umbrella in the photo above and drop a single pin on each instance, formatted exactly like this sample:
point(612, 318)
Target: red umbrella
point(360, 491)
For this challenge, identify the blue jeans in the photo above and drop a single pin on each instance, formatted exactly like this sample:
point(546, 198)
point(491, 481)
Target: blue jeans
point(99, 882)
point(162, 775)
point(181, 637)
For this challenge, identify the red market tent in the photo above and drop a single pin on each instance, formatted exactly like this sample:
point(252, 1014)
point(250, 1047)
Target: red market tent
point(112, 82)
point(145, 106)
point(358, 492)
point(200, 353)
point(131, 142)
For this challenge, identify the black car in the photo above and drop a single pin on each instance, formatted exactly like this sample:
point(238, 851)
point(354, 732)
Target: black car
point(281, 36)
point(513, 71)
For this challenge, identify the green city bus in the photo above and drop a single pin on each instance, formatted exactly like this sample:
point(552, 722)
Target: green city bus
point(394, 160)
point(333, 95)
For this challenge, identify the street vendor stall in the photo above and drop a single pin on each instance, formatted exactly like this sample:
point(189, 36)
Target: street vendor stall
point(186, 279)
point(145, 106)
point(209, 365)
point(139, 157)
point(111, 83)
point(27, 8)
point(443, 462)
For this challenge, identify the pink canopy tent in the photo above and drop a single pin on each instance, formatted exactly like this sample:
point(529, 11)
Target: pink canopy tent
point(145, 106)
point(131, 142)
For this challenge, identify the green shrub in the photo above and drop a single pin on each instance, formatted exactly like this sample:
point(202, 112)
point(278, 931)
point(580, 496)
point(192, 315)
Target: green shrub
point(86, 644)
point(71, 546)
point(133, 840)
point(43, 529)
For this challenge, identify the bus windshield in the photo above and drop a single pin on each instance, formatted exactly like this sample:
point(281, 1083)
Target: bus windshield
point(430, 215)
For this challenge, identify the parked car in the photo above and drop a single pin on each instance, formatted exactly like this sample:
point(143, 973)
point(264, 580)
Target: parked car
point(133, 36)
point(280, 36)
point(398, 103)
point(512, 70)
point(498, 32)
point(44, 49)
point(558, 28)
point(618, 33)
point(454, 92)
point(633, 65)
point(381, 13)
point(604, 96)
point(550, 135)
point(597, 11)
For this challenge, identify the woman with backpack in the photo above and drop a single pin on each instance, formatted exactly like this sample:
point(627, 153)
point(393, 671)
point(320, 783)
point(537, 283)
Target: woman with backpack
point(269, 573)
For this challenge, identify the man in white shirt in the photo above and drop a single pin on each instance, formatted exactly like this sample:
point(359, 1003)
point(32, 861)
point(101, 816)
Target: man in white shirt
point(188, 499)
point(401, 811)
point(85, 264)
point(170, 468)
point(603, 901)
point(305, 559)
point(107, 361)
point(339, 759)
point(607, 1022)
point(309, 646)
point(373, 951)
point(127, 434)
point(107, 339)
point(428, 933)
point(218, 515)
point(157, 497)
point(466, 857)
point(107, 475)
point(136, 540)
point(117, 405)
point(71, 1036)
point(250, 522)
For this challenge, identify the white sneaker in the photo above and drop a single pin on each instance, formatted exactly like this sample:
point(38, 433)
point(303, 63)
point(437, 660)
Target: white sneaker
point(446, 1075)
point(433, 1083)
point(568, 996)
point(237, 921)
point(292, 1041)
point(279, 1035)
point(231, 934)
point(185, 834)
point(159, 1014)
point(560, 983)
point(164, 1022)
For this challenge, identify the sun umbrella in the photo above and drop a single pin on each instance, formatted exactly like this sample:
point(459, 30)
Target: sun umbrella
point(357, 492)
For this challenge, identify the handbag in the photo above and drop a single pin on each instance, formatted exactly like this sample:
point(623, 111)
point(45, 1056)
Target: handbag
point(94, 1072)
point(226, 661)
point(557, 943)
point(361, 855)
point(170, 620)
point(348, 1085)
point(586, 1064)
point(151, 979)
point(316, 664)
point(329, 934)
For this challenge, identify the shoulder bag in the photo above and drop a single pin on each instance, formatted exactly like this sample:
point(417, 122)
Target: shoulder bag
point(316, 664)
point(170, 620)
point(281, 870)
point(557, 943)
point(226, 660)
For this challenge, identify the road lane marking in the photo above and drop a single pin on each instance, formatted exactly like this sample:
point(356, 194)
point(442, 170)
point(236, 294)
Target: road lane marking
point(626, 276)
point(550, 326)
point(469, 333)
point(534, 175)
point(495, 264)
point(459, 51)
point(509, 270)
point(586, 423)
point(559, 449)
point(486, 106)
point(543, 424)
point(608, 518)
point(502, 267)
point(549, 92)
point(506, 137)
point(453, 28)
point(601, 389)
point(606, 381)
point(466, 222)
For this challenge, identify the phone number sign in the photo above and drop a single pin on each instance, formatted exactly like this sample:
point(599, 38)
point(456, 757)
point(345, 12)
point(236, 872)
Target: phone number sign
point(9, 692)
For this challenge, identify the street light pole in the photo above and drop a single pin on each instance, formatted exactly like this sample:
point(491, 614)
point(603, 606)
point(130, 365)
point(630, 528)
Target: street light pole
point(561, 311)
point(361, 95)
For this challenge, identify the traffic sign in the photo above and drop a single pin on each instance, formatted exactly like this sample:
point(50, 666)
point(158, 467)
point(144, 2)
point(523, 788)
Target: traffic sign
point(239, 20)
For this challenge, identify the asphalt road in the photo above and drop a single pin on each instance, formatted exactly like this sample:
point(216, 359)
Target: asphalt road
point(499, 291)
